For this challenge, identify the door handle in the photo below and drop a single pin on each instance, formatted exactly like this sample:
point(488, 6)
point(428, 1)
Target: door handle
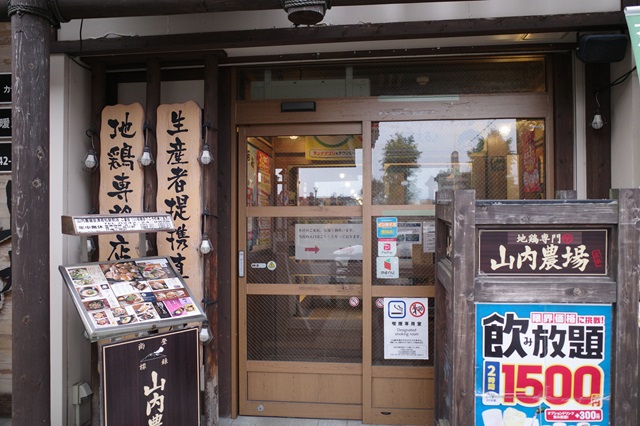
point(241, 263)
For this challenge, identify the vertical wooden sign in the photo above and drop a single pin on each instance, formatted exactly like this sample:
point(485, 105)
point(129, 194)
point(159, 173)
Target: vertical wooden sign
point(179, 194)
point(121, 178)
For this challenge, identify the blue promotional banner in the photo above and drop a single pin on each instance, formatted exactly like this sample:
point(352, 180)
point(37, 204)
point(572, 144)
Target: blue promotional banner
point(543, 365)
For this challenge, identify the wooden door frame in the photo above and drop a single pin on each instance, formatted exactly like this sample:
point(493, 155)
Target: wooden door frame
point(251, 116)
point(243, 289)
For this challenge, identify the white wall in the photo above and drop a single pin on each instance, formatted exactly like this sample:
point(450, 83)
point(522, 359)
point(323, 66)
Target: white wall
point(70, 195)
point(625, 126)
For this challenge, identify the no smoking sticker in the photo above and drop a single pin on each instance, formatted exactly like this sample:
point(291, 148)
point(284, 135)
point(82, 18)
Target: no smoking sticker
point(354, 301)
point(417, 309)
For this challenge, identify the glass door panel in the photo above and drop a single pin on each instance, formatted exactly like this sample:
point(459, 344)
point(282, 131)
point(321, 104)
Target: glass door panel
point(302, 235)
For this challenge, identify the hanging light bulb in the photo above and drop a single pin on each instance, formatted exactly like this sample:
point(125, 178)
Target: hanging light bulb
point(597, 121)
point(205, 245)
point(205, 335)
point(90, 162)
point(205, 155)
point(91, 247)
point(146, 159)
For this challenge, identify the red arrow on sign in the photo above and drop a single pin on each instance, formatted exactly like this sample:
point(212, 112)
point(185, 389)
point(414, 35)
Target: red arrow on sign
point(313, 249)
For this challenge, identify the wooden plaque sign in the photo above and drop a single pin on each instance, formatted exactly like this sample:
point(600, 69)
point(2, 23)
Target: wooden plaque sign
point(153, 380)
point(121, 178)
point(179, 181)
point(543, 252)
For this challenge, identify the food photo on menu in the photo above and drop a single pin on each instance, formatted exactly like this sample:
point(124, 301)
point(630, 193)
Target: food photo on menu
point(89, 292)
point(121, 271)
point(80, 276)
point(101, 318)
point(156, 269)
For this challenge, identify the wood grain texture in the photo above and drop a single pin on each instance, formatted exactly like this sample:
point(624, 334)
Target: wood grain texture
point(178, 134)
point(121, 177)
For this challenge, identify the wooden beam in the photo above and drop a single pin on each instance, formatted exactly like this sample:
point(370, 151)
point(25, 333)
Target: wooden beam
point(31, 349)
point(151, 113)
point(98, 102)
point(195, 60)
point(598, 141)
point(204, 42)
point(225, 176)
point(79, 9)
point(563, 120)
point(210, 267)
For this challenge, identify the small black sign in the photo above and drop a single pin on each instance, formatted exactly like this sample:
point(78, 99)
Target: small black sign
point(5, 88)
point(5, 122)
point(5, 157)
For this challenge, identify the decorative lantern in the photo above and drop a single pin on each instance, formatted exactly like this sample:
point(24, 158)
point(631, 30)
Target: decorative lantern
point(306, 12)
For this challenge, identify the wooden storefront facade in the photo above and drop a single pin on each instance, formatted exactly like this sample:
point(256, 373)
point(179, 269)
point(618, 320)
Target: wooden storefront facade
point(157, 70)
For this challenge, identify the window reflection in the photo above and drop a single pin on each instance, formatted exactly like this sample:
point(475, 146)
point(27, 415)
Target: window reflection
point(499, 158)
point(310, 170)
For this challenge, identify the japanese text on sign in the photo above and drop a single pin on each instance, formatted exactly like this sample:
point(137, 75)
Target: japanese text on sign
point(152, 381)
point(543, 363)
point(179, 179)
point(543, 252)
point(406, 328)
point(121, 181)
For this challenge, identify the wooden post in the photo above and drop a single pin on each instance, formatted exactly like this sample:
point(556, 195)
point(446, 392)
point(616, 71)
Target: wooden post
point(464, 242)
point(564, 120)
point(455, 309)
point(598, 142)
point(225, 176)
point(154, 80)
point(98, 102)
point(210, 188)
point(31, 36)
point(626, 352)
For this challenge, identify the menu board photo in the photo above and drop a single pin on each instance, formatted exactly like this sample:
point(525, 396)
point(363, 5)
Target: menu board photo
point(130, 295)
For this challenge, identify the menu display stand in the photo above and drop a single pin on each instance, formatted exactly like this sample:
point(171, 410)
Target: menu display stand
point(124, 296)
point(120, 297)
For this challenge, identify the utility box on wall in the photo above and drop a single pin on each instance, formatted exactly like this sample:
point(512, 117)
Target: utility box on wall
point(532, 292)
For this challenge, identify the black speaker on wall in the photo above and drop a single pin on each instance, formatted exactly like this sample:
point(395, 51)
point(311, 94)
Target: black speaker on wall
point(602, 48)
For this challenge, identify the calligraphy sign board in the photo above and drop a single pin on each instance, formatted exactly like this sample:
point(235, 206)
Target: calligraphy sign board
point(115, 298)
point(543, 364)
point(543, 252)
point(179, 181)
point(121, 178)
point(153, 380)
